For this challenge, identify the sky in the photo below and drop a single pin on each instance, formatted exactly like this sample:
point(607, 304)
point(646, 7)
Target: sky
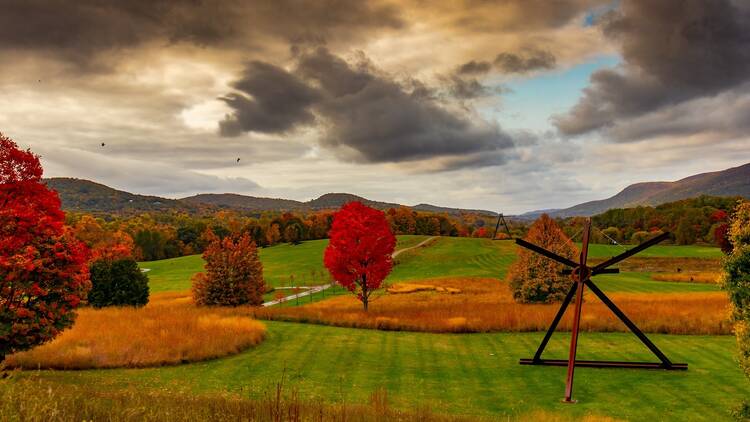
point(508, 105)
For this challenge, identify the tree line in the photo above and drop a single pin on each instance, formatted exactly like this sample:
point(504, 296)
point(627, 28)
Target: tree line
point(156, 236)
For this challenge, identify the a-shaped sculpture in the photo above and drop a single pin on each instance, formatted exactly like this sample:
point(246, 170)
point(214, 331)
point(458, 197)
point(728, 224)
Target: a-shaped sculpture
point(581, 274)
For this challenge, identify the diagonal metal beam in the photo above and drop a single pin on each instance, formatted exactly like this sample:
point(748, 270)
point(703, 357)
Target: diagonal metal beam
point(541, 251)
point(627, 254)
point(556, 321)
point(634, 328)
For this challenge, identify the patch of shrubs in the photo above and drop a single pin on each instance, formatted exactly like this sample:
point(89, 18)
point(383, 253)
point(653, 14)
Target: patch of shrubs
point(117, 283)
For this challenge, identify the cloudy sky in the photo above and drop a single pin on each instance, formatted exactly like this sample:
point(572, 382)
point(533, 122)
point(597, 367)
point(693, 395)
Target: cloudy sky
point(508, 105)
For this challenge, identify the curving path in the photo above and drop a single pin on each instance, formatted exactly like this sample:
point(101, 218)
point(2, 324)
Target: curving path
point(320, 288)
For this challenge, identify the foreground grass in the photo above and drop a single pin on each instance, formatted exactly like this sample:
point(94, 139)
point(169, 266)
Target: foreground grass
point(169, 330)
point(34, 400)
point(471, 374)
point(469, 305)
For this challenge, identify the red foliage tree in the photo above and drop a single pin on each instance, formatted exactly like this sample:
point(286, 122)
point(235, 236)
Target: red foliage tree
point(43, 271)
point(358, 255)
point(234, 273)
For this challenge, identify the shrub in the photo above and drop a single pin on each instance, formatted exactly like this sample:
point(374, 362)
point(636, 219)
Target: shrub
point(117, 283)
point(233, 273)
point(537, 279)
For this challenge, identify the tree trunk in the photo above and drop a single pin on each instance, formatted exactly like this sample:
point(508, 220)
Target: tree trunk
point(365, 292)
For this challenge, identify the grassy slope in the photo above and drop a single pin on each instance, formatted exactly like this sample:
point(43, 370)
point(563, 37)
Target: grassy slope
point(469, 374)
point(279, 263)
point(667, 251)
point(447, 257)
point(472, 374)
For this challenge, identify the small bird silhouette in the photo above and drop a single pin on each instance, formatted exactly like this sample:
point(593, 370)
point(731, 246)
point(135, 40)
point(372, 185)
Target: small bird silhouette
point(103, 144)
point(238, 160)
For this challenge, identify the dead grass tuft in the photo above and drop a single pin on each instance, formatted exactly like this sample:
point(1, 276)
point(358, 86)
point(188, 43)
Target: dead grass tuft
point(486, 305)
point(170, 330)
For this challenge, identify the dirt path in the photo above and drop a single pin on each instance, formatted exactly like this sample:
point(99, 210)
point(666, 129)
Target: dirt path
point(317, 289)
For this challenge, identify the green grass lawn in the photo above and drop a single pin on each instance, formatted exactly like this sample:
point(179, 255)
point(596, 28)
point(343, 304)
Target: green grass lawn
point(661, 251)
point(304, 262)
point(447, 257)
point(455, 257)
point(631, 282)
point(475, 374)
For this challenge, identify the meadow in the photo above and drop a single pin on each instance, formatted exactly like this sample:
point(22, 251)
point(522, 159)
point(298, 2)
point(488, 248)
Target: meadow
point(476, 375)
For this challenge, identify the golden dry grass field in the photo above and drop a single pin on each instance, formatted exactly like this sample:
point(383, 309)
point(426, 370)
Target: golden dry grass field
point(486, 305)
point(169, 330)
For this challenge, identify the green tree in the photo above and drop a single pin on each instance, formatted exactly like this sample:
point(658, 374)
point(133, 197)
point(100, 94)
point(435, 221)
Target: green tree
point(117, 283)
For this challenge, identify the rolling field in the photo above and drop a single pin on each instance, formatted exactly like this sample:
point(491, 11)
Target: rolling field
point(279, 263)
point(447, 257)
point(475, 374)
point(469, 374)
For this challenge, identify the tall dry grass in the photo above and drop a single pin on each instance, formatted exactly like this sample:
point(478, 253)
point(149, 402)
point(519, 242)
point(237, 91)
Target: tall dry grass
point(486, 305)
point(170, 330)
point(36, 401)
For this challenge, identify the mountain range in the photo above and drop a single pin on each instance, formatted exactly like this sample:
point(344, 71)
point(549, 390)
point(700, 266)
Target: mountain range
point(87, 196)
point(734, 181)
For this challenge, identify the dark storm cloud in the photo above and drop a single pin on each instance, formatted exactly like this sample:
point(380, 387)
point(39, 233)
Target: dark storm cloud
point(673, 51)
point(526, 61)
point(368, 116)
point(279, 101)
point(474, 68)
point(466, 88)
point(80, 30)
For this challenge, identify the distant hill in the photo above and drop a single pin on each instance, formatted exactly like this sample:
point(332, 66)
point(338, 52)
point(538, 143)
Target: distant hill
point(730, 182)
point(244, 202)
point(87, 196)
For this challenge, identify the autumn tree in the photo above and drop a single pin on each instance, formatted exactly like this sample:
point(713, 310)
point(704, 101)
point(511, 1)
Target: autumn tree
point(233, 273)
point(537, 279)
point(358, 255)
point(736, 281)
point(43, 272)
point(293, 233)
point(273, 235)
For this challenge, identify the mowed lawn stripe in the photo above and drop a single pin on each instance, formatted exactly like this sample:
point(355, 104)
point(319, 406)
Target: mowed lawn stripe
point(457, 373)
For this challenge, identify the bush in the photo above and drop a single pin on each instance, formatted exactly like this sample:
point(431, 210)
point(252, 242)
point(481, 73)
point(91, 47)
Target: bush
point(117, 283)
point(537, 279)
point(234, 273)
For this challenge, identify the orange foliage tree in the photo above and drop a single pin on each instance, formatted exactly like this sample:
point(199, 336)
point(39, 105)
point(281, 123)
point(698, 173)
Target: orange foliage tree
point(534, 278)
point(233, 273)
point(43, 272)
point(358, 255)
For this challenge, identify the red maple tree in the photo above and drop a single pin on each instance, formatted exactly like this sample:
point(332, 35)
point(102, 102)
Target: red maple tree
point(358, 255)
point(43, 271)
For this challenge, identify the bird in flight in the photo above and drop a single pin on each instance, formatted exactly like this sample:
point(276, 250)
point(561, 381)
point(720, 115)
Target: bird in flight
point(238, 160)
point(103, 144)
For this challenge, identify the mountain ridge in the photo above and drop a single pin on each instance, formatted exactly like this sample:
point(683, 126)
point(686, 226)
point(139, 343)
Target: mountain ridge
point(88, 196)
point(734, 181)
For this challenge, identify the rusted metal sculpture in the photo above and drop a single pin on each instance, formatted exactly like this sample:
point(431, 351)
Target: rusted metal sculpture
point(501, 219)
point(581, 274)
